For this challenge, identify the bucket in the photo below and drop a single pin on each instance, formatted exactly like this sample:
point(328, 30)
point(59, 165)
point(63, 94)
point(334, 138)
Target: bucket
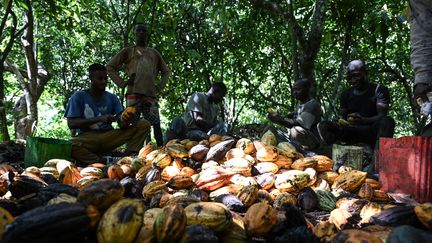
point(39, 150)
point(405, 166)
point(350, 154)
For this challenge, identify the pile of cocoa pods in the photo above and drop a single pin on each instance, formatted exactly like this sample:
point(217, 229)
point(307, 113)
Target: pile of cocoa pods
point(217, 190)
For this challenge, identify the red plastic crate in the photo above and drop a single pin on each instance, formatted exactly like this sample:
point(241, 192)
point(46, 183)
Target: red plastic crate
point(405, 166)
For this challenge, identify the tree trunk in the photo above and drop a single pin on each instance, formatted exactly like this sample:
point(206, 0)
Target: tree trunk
point(309, 45)
point(4, 134)
point(37, 78)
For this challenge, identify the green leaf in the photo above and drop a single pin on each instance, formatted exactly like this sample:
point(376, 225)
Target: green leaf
point(23, 5)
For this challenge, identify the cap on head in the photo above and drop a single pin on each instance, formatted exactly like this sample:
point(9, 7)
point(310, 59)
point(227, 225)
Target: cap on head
point(356, 65)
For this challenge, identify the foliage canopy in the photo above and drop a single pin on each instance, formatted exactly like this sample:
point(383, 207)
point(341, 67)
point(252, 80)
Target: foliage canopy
point(248, 44)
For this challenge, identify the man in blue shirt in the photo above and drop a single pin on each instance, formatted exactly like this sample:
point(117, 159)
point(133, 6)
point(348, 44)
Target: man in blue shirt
point(90, 112)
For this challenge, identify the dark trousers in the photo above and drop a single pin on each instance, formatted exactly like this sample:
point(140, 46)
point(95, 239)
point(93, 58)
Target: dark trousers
point(369, 134)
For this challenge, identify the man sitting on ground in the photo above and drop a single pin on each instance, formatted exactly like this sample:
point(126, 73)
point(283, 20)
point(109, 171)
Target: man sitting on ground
point(363, 111)
point(302, 122)
point(91, 113)
point(200, 119)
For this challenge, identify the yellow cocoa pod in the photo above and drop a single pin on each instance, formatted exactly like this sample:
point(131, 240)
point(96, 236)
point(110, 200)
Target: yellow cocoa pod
point(286, 149)
point(259, 219)
point(150, 156)
point(292, 181)
point(329, 176)
point(238, 165)
point(246, 145)
point(303, 163)
point(121, 222)
point(269, 139)
point(169, 172)
point(172, 141)
point(324, 163)
point(179, 182)
point(177, 151)
point(5, 219)
point(284, 162)
point(190, 144)
point(228, 189)
point(349, 181)
point(424, 214)
point(216, 216)
point(152, 188)
point(267, 154)
point(234, 153)
point(376, 185)
point(324, 230)
point(248, 195)
point(283, 198)
point(144, 151)
point(214, 138)
point(366, 191)
point(162, 160)
point(169, 225)
point(101, 193)
point(266, 167)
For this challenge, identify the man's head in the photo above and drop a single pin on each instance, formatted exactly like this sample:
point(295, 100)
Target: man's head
point(357, 74)
point(98, 76)
point(301, 89)
point(217, 92)
point(141, 34)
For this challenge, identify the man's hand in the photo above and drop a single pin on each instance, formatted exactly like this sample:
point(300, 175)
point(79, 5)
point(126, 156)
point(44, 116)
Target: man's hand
point(106, 118)
point(420, 91)
point(129, 81)
point(354, 118)
point(128, 115)
point(274, 117)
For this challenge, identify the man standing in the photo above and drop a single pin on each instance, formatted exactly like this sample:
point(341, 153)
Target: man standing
point(91, 113)
point(142, 65)
point(302, 122)
point(200, 119)
point(421, 56)
point(363, 111)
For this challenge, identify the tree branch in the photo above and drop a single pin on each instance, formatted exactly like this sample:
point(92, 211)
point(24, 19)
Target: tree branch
point(8, 10)
point(19, 73)
point(11, 41)
point(317, 27)
point(116, 16)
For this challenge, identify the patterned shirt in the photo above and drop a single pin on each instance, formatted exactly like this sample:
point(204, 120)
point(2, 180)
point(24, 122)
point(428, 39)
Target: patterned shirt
point(83, 105)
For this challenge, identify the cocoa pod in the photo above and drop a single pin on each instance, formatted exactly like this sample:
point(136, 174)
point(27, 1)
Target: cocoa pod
point(169, 225)
point(259, 219)
point(198, 152)
point(213, 215)
point(246, 145)
point(179, 182)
